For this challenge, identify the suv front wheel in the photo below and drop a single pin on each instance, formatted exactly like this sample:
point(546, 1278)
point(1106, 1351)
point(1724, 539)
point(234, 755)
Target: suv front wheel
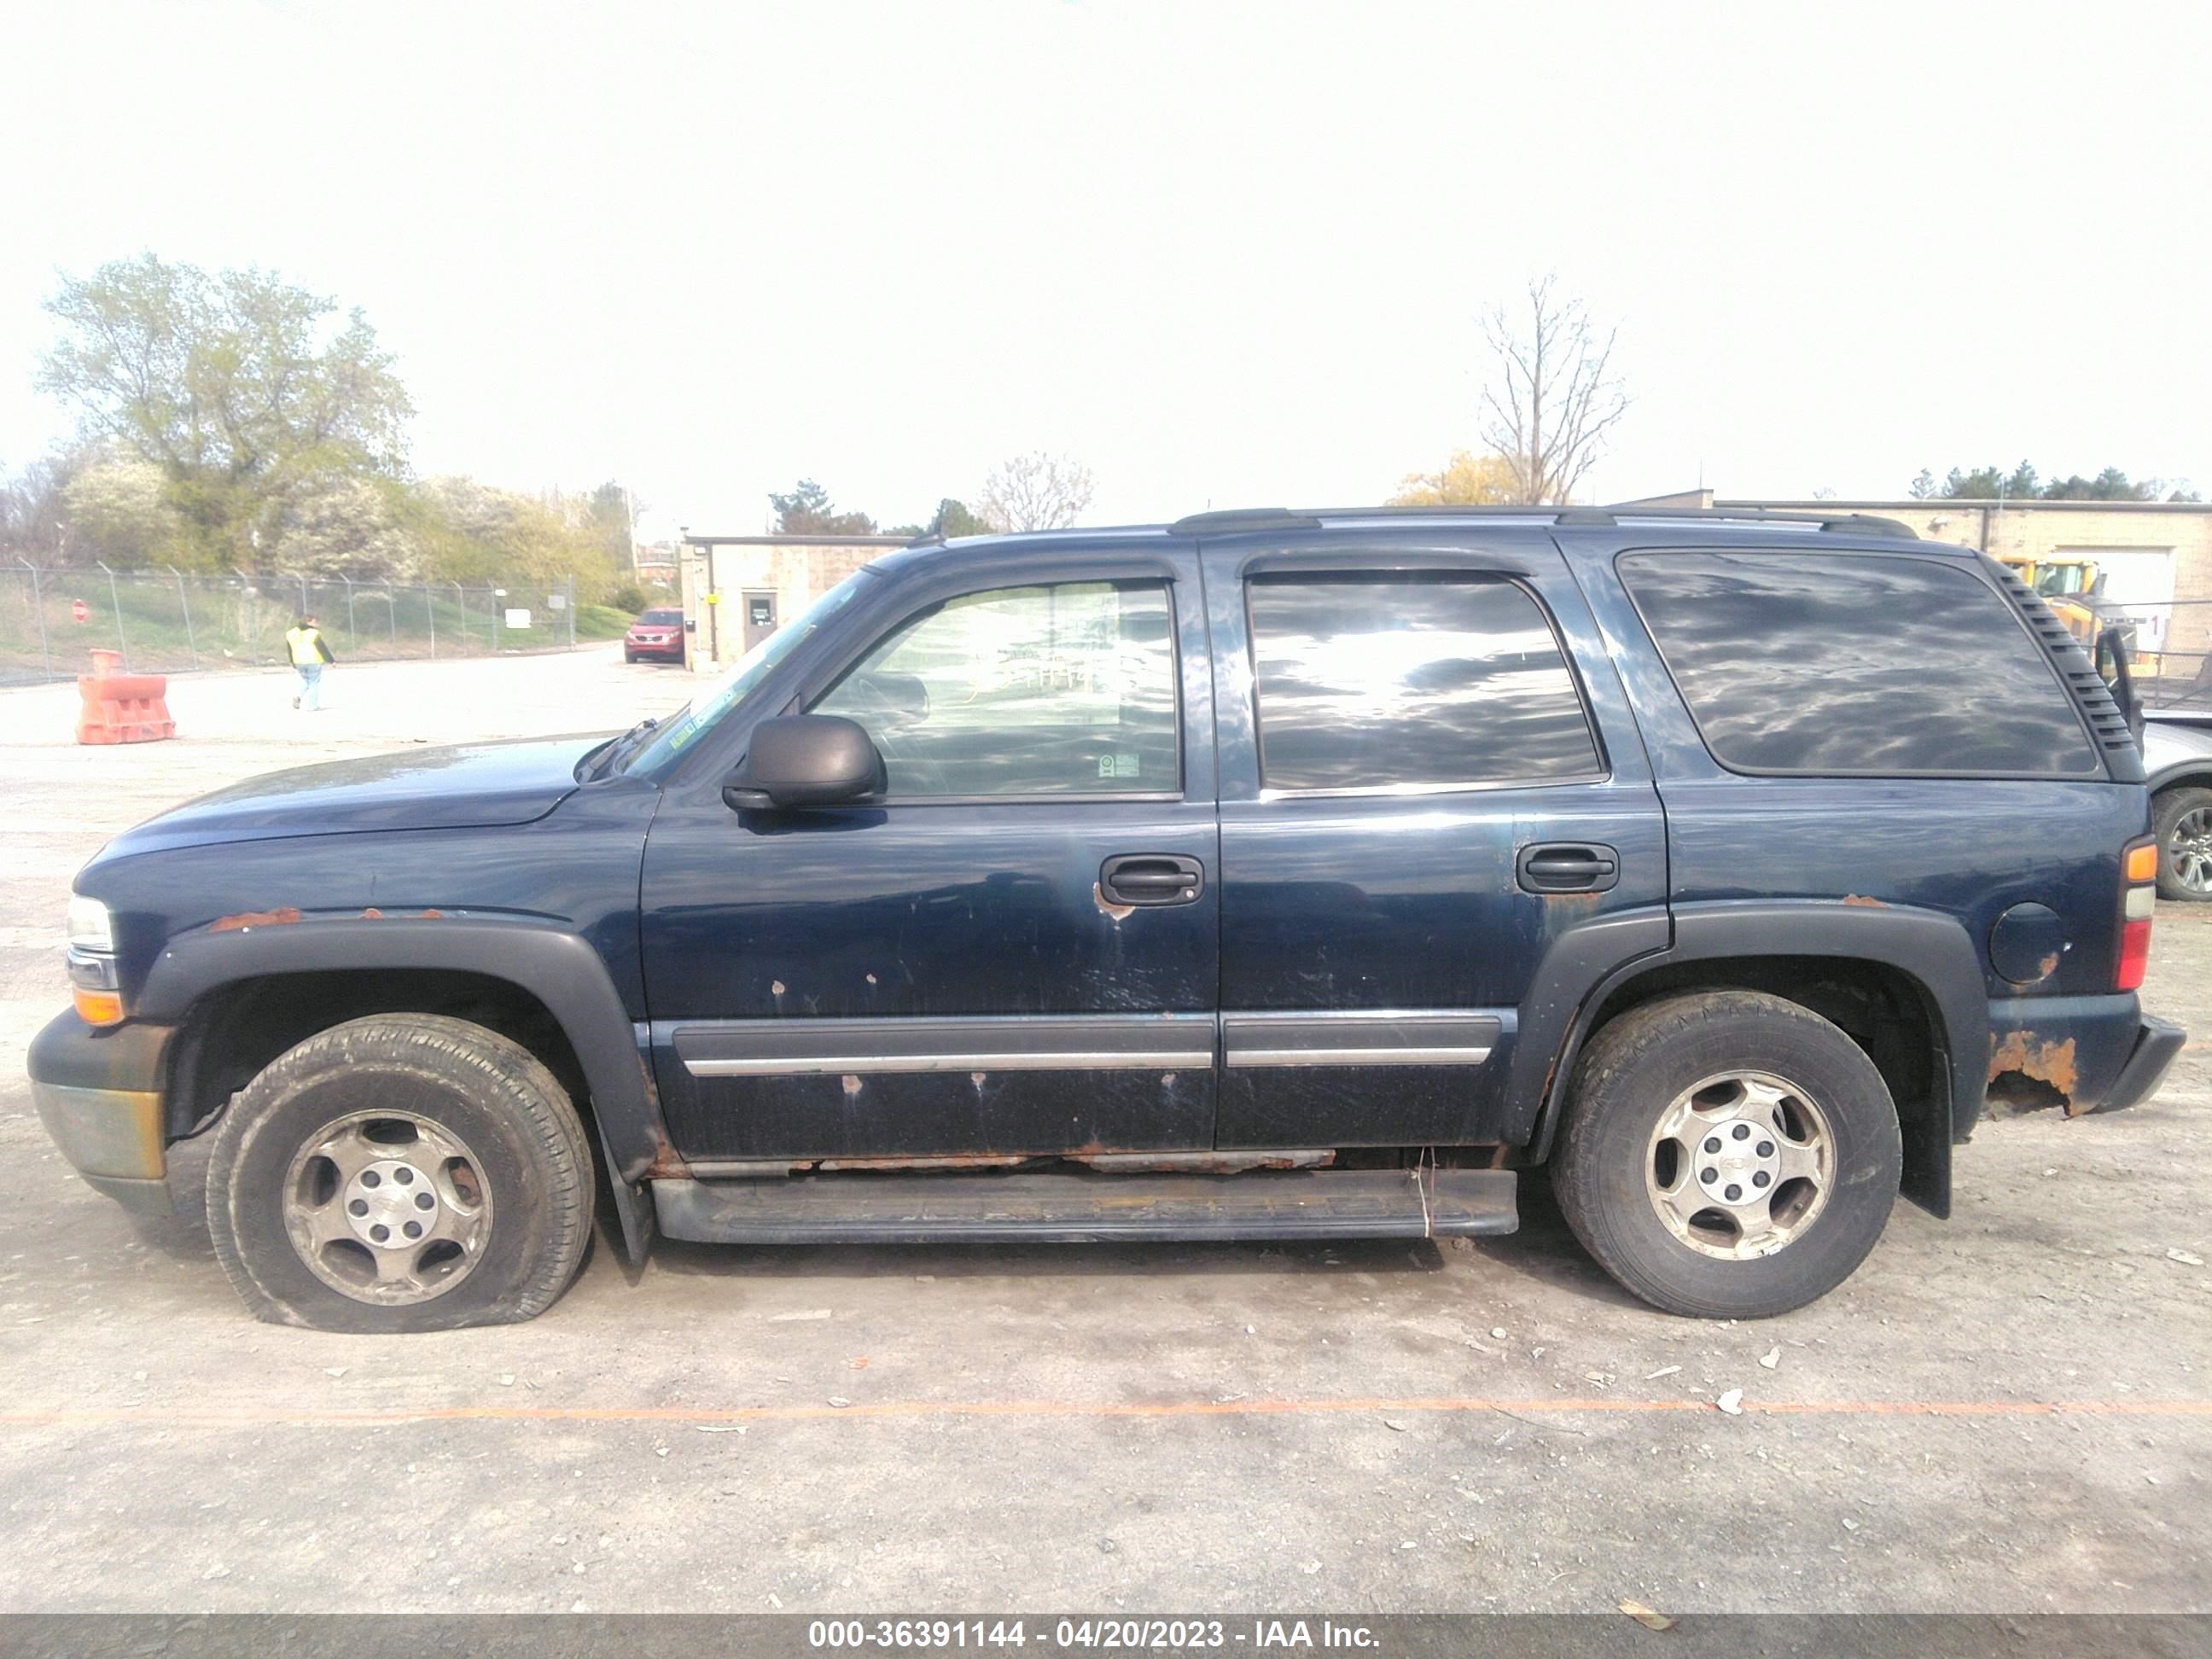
point(404, 1172)
point(1728, 1154)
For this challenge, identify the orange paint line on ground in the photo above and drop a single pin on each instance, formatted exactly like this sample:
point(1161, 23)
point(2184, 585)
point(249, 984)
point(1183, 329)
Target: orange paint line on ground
point(145, 1418)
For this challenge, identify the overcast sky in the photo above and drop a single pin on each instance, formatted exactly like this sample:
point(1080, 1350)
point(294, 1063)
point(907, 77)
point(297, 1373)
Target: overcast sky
point(1224, 255)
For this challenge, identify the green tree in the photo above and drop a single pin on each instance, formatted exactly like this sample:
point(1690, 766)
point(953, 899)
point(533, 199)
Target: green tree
point(1465, 480)
point(806, 511)
point(612, 511)
point(117, 511)
point(1991, 483)
point(473, 532)
point(238, 386)
point(2022, 483)
point(951, 519)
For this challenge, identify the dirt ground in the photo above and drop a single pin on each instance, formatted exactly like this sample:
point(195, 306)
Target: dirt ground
point(1485, 1427)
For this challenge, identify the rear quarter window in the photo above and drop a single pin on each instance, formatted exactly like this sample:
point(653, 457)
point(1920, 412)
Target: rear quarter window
point(1855, 664)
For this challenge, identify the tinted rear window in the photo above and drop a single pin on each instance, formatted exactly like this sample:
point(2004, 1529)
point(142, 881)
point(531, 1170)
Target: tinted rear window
point(1855, 663)
point(1386, 682)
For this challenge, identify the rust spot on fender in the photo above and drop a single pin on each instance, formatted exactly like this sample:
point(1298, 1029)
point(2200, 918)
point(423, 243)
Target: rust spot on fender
point(1107, 907)
point(1864, 902)
point(2048, 966)
point(246, 919)
point(371, 915)
point(2051, 1063)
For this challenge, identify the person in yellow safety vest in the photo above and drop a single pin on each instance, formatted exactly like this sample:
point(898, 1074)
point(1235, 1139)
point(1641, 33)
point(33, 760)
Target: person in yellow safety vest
point(308, 650)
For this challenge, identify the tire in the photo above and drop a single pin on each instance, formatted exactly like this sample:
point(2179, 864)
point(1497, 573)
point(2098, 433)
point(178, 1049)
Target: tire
point(2168, 811)
point(630, 657)
point(1641, 1071)
point(484, 1120)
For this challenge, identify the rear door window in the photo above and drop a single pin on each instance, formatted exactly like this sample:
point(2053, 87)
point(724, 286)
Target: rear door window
point(1410, 681)
point(1855, 664)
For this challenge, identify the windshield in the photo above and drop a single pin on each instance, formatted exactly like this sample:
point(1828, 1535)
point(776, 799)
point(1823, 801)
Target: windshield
point(704, 712)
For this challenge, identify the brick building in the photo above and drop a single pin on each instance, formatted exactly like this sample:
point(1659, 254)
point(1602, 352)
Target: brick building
point(738, 590)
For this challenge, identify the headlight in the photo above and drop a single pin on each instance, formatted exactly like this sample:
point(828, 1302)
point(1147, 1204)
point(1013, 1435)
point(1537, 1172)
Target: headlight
point(90, 927)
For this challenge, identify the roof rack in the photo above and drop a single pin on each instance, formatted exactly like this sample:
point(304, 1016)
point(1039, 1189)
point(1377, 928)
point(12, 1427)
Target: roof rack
point(1235, 520)
point(1238, 520)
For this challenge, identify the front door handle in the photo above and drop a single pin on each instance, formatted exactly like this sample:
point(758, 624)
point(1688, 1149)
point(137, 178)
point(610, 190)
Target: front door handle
point(1567, 867)
point(1151, 878)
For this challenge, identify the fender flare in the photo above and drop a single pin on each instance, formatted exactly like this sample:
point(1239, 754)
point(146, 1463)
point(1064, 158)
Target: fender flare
point(1931, 948)
point(552, 963)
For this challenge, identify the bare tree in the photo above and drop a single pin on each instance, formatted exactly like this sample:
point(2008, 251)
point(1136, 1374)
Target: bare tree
point(1555, 397)
point(1035, 491)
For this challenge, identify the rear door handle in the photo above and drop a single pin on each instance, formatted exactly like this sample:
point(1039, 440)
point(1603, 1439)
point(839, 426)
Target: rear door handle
point(1151, 878)
point(1567, 867)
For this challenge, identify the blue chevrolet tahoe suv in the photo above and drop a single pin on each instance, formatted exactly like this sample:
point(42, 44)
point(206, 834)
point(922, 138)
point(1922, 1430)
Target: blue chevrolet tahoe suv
point(1265, 875)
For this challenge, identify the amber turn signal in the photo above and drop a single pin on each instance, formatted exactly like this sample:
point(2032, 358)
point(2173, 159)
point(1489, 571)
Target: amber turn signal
point(97, 1008)
point(2142, 862)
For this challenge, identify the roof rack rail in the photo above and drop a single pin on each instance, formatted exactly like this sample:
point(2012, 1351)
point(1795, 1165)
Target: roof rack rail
point(1233, 520)
point(1846, 523)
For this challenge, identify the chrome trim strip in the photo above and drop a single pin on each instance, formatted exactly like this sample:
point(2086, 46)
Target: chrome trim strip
point(1097, 1059)
point(937, 1044)
point(1366, 1036)
point(1358, 1056)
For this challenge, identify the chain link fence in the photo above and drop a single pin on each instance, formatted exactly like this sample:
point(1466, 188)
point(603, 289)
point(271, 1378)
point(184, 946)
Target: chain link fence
point(2170, 651)
point(164, 622)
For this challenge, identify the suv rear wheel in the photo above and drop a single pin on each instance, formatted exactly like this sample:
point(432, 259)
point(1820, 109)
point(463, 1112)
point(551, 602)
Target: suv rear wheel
point(1728, 1155)
point(404, 1172)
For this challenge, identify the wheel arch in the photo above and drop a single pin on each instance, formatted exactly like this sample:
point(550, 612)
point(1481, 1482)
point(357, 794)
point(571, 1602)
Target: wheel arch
point(1904, 984)
point(234, 992)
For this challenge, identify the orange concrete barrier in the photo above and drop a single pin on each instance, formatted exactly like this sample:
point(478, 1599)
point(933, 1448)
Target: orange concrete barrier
point(122, 708)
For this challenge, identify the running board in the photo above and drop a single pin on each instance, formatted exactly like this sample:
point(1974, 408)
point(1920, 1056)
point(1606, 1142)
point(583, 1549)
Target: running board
point(1060, 1208)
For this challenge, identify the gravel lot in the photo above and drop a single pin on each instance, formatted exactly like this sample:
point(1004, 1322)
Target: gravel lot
point(1485, 1427)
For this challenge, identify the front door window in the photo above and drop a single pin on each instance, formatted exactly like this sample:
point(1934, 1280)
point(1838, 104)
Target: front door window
point(1068, 689)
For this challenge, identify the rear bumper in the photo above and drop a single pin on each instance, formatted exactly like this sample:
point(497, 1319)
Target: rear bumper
point(2157, 1042)
point(99, 1094)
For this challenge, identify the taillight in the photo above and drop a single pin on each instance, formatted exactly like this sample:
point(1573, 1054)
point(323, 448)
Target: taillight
point(2138, 894)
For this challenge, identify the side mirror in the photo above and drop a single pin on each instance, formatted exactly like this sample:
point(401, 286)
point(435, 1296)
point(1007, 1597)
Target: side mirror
point(805, 760)
point(2112, 668)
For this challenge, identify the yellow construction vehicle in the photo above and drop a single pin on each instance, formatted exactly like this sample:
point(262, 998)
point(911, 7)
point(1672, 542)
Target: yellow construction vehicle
point(2071, 587)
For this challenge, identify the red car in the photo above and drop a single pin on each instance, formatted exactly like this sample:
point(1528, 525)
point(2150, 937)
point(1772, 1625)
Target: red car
point(657, 636)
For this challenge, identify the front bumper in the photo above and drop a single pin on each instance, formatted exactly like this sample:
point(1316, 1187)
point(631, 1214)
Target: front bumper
point(99, 1094)
point(2157, 1044)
